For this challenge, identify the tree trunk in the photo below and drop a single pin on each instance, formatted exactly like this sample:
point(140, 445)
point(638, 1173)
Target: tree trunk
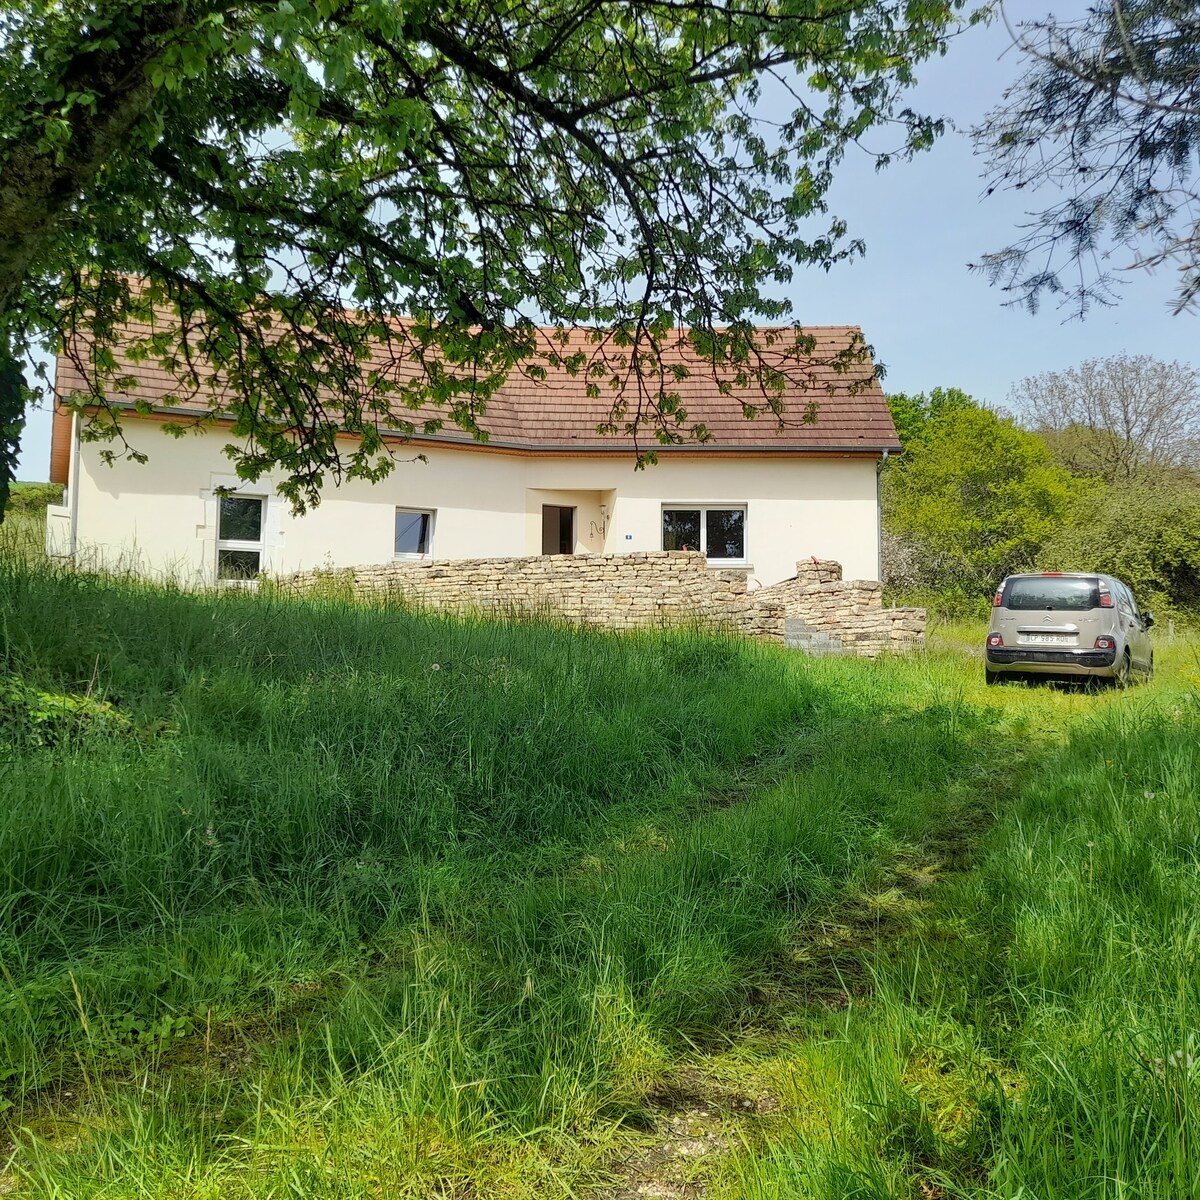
point(39, 183)
point(12, 421)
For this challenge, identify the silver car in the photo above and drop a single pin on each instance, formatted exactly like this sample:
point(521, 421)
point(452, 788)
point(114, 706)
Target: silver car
point(1066, 623)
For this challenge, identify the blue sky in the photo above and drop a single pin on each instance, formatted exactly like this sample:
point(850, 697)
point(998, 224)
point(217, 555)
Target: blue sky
point(931, 321)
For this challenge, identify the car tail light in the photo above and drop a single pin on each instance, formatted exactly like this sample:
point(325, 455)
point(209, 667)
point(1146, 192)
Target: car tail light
point(1104, 642)
point(1051, 572)
point(998, 599)
point(1106, 600)
point(994, 639)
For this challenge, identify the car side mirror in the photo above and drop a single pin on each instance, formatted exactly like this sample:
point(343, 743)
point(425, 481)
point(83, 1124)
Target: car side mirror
point(1147, 620)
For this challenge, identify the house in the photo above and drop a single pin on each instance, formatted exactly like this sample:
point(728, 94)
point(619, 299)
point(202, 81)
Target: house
point(757, 497)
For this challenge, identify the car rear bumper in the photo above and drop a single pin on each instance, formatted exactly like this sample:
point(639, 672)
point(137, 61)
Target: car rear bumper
point(1050, 662)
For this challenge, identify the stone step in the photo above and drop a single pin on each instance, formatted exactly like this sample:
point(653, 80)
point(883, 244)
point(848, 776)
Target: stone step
point(797, 635)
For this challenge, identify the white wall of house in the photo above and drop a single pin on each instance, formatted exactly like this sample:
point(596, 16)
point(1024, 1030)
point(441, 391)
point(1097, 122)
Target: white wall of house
point(161, 517)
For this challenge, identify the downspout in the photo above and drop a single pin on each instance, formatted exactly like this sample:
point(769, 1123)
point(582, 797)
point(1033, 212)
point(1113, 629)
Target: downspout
point(879, 514)
point(73, 481)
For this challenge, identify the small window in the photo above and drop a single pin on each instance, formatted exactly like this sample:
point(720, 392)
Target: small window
point(720, 533)
point(414, 530)
point(240, 538)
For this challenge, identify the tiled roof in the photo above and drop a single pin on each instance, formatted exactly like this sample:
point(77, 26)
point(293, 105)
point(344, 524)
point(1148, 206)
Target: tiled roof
point(556, 413)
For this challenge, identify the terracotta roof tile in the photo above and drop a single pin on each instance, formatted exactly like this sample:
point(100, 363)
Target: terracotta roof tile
point(555, 413)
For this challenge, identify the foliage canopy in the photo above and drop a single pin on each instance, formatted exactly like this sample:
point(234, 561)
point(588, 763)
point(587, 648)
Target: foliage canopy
point(1149, 536)
point(1108, 110)
point(913, 414)
point(976, 496)
point(289, 179)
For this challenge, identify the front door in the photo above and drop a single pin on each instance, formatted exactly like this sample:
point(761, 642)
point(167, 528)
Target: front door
point(558, 529)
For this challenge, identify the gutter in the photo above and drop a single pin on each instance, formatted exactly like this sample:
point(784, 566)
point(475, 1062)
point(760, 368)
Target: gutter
point(879, 511)
point(73, 482)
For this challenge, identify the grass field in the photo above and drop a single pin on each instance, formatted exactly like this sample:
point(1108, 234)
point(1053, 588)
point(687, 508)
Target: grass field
point(302, 899)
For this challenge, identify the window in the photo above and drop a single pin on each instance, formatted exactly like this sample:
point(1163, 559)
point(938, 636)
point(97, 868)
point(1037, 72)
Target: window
point(240, 537)
point(558, 529)
point(1029, 593)
point(414, 530)
point(1125, 601)
point(719, 533)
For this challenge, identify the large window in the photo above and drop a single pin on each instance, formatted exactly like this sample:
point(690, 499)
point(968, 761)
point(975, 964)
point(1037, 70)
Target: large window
point(240, 537)
point(1029, 593)
point(718, 532)
point(414, 533)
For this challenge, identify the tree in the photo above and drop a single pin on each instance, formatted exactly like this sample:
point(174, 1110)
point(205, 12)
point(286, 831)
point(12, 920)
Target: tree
point(275, 185)
point(1122, 418)
point(976, 497)
point(913, 414)
point(1108, 110)
point(12, 422)
point(1148, 536)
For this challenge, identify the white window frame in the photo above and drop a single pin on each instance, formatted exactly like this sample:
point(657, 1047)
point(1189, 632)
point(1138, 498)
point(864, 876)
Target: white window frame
point(259, 547)
point(704, 509)
point(418, 556)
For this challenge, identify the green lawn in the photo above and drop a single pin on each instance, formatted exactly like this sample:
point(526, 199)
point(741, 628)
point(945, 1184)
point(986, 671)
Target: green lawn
point(306, 899)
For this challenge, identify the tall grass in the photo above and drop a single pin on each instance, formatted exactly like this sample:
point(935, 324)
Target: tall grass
point(1032, 1029)
point(417, 889)
point(304, 898)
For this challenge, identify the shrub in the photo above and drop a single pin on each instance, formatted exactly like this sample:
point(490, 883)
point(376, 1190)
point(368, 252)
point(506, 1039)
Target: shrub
point(974, 498)
point(33, 497)
point(1147, 535)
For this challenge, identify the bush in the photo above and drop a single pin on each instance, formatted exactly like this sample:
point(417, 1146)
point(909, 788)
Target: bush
point(34, 497)
point(1148, 535)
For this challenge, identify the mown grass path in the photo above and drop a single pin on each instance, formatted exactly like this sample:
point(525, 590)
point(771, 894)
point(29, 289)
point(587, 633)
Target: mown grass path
point(1017, 1007)
point(320, 901)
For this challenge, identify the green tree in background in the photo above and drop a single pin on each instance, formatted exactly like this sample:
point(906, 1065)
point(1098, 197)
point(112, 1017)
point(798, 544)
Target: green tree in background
point(913, 414)
point(1148, 535)
point(975, 497)
point(288, 179)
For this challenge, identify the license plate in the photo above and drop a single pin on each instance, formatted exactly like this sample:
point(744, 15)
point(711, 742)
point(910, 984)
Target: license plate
point(1051, 639)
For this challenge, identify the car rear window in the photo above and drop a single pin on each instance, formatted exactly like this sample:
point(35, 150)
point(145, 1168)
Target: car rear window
point(1050, 592)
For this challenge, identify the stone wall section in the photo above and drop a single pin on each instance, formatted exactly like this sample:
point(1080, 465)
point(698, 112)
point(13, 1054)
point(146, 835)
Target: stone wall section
point(816, 605)
point(815, 610)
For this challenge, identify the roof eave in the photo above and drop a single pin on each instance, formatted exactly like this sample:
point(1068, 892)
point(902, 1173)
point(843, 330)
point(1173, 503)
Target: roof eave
point(521, 446)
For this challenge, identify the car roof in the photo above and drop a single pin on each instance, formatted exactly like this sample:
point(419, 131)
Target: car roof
point(1069, 575)
point(1057, 574)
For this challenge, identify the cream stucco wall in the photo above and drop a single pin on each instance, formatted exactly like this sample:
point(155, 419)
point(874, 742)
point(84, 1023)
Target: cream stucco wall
point(160, 517)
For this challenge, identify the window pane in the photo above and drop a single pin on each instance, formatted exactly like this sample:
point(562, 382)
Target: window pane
point(1027, 595)
point(566, 531)
point(726, 529)
point(241, 519)
point(237, 564)
point(681, 529)
point(412, 533)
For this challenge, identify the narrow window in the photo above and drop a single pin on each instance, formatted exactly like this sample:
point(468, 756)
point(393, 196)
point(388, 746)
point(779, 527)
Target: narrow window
point(719, 533)
point(558, 529)
point(240, 537)
point(414, 529)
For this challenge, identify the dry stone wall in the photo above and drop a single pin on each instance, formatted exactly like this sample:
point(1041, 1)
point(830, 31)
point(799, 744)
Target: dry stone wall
point(815, 610)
